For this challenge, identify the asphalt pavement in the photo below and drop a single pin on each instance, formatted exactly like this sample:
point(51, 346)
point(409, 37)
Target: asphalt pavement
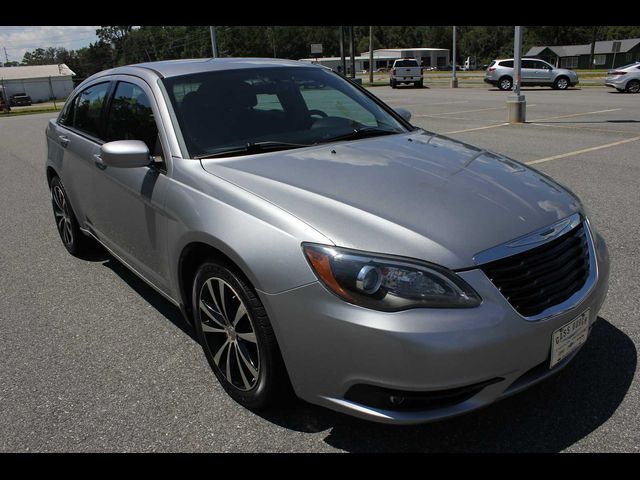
point(91, 359)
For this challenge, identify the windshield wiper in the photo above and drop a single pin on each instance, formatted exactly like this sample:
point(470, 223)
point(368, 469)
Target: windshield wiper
point(358, 133)
point(251, 148)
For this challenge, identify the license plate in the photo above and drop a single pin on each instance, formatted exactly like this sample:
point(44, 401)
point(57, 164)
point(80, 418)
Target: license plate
point(569, 337)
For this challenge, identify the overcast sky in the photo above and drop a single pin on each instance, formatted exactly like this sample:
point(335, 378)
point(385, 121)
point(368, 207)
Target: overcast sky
point(18, 40)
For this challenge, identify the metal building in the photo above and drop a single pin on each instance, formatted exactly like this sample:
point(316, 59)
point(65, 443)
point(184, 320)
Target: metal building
point(384, 58)
point(40, 82)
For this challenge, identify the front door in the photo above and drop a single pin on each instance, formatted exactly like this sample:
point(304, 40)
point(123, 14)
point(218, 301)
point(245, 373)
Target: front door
point(129, 202)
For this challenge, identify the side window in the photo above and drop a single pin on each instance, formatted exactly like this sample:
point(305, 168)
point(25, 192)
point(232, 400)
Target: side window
point(66, 115)
point(87, 110)
point(334, 103)
point(507, 63)
point(528, 64)
point(131, 118)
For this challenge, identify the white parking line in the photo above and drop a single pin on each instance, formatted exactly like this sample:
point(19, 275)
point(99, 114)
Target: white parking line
point(574, 115)
point(474, 129)
point(584, 150)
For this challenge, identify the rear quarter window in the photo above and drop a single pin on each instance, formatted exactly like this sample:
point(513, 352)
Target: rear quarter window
point(507, 63)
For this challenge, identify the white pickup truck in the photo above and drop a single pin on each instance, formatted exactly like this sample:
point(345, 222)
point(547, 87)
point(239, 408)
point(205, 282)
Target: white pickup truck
point(406, 70)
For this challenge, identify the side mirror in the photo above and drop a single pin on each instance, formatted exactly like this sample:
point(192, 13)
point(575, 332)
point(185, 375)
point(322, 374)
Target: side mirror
point(125, 154)
point(404, 113)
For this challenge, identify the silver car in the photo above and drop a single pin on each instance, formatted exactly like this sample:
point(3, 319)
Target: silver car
point(625, 79)
point(533, 72)
point(320, 244)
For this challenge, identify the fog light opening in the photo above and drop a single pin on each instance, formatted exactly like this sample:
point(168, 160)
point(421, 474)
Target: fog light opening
point(396, 400)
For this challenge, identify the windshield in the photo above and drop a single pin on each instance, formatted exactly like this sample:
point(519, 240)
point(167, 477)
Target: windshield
point(230, 109)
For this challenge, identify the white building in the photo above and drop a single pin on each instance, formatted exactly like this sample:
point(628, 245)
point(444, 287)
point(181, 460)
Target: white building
point(40, 82)
point(384, 58)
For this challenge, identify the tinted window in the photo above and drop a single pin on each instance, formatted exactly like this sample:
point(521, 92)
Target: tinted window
point(232, 108)
point(87, 110)
point(406, 63)
point(528, 64)
point(507, 63)
point(131, 118)
point(542, 65)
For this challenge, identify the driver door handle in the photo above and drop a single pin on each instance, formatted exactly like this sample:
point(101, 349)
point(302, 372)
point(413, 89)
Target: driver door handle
point(97, 160)
point(64, 141)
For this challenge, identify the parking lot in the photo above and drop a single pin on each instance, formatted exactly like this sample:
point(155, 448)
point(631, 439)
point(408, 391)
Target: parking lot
point(92, 359)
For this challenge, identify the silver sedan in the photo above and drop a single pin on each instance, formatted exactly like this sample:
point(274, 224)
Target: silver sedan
point(319, 244)
point(625, 79)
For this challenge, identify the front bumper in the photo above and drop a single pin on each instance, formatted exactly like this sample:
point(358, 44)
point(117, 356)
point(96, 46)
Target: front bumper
point(330, 346)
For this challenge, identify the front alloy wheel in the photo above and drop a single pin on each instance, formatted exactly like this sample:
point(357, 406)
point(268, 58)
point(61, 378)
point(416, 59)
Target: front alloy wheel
point(236, 336)
point(229, 334)
point(562, 83)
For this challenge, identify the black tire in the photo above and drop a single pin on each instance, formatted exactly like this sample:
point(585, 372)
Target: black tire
point(76, 242)
point(561, 83)
point(420, 84)
point(505, 83)
point(393, 84)
point(633, 86)
point(232, 344)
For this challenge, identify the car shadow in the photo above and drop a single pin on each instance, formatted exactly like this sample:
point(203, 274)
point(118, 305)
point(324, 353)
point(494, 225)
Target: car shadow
point(548, 417)
point(157, 301)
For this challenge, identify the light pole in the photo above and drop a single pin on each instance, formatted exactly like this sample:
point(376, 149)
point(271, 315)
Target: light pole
point(516, 103)
point(454, 79)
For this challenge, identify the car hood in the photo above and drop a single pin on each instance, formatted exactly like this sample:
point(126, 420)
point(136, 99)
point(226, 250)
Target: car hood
point(418, 194)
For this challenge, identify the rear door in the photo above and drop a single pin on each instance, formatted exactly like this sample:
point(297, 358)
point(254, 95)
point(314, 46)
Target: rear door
point(77, 137)
point(528, 72)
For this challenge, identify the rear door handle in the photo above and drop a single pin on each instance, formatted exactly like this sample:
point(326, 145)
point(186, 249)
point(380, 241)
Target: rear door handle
point(64, 140)
point(97, 160)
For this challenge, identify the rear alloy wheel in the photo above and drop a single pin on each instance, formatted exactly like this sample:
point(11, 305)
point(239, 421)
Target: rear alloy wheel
point(72, 238)
point(561, 83)
point(236, 336)
point(505, 83)
point(633, 86)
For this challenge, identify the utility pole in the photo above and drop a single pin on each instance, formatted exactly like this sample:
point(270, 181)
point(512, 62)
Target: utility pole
point(343, 61)
point(594, 35)
point(214, 45)
point(454, 79)
point(516, 104)
point(352, 48)
point(371, 66)
point(273, 41)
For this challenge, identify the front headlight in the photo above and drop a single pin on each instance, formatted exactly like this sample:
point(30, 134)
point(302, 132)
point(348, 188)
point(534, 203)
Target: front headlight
point(388, 283)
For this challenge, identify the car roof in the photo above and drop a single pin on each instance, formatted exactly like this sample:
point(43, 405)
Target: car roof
point(172, 68)
point(524, 58)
